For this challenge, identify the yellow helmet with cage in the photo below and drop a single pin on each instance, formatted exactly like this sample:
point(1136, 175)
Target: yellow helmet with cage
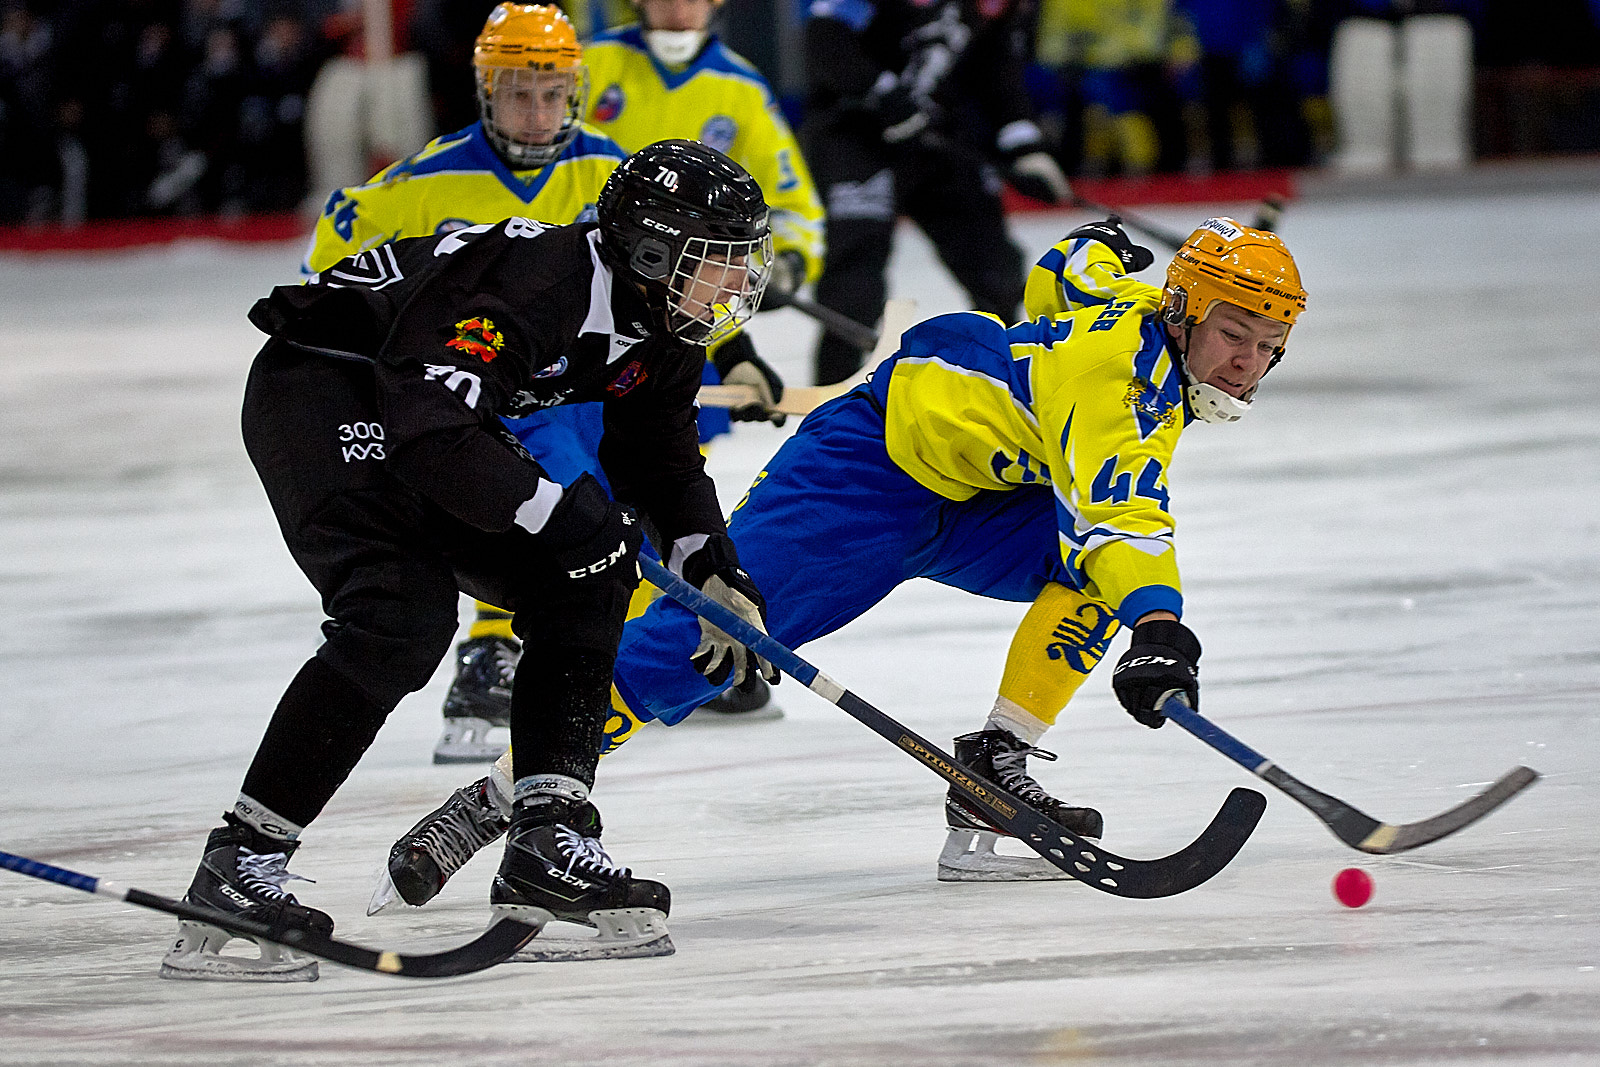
point(532, 84)
point(1224, 262)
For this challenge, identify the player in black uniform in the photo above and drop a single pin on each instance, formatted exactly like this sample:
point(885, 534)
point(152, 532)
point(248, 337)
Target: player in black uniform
point(911, 106)
point(372, 417)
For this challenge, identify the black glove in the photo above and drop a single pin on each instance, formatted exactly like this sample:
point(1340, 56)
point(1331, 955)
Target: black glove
point(1163, 656)
point(591, 537)
point(1110, 233)
point(737, 364)
point(900, 110)
point(1030, 168)
point(714, 570)
point(787, 275)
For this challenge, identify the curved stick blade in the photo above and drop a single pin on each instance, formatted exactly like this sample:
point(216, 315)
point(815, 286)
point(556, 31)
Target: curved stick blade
point(1386, 839)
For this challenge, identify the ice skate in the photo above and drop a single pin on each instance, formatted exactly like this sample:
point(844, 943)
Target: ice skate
point(555, 870)
point(969, 850)
point(425, 857)
point(740, 705)
point(479, 700)
point(243, 873)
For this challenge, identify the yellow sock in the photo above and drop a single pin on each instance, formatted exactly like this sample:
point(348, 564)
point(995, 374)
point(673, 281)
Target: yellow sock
point(1060, 639)
point(490, 622)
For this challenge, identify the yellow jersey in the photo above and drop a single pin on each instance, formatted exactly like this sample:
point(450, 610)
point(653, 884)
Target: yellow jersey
point(720, 100)
point(1087, 399)
point(457, 181)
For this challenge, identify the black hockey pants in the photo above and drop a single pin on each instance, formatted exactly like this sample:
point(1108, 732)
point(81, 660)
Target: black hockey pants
point(388, 565)
point(949, 192)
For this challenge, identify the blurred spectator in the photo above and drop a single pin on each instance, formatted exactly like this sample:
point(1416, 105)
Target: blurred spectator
point(29, 168)
point(272, 114)
point(1132, 66)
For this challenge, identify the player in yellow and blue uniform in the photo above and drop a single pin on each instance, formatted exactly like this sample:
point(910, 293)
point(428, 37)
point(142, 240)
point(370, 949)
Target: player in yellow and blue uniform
point(669, 76)
point(1024, 463)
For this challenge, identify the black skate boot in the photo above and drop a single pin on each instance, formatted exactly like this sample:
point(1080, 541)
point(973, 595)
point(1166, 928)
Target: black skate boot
point(425, 857)
point(479, 699)
point(968, 854)
point(243, 873)
point(556, 870)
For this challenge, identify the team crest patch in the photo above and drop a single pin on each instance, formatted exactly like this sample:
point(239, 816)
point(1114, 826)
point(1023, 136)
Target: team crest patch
point(610, 103)
point(719, 132)
point(631, 375)
point(1153, 409)
point(478, 337)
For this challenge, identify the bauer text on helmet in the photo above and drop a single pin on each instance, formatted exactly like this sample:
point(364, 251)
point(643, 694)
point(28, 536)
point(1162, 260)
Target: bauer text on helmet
point(1251, 274)
point(532, 84)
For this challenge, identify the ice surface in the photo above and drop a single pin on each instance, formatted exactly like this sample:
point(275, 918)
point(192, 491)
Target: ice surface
point(1394, 564)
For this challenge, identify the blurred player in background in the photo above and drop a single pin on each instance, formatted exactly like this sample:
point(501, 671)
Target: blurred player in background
point(1026, 463)
point(911, 105)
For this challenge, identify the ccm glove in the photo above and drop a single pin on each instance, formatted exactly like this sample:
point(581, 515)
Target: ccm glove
point(787, 275)
point(714, 569)
point(1163, 656)
point(1110, 233)
point(737, 364)
point(592, 537)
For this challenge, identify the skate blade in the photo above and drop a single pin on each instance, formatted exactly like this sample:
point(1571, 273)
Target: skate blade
point(466, 740)
point(969, 856)
point(197, 956)
point(384, 893)
point(621, 934)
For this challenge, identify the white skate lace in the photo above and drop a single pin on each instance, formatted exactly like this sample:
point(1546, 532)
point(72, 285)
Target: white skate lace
point(266, 873)
point(457, 835)
point(505, 662)
point(1012, 771)
point(585, 850)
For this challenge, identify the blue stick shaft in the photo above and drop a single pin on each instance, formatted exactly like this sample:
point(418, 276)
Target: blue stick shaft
point(735, 627)
point(1213, 735)
point(60, 875)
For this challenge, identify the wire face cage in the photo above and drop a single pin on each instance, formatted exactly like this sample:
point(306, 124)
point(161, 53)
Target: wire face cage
point(716, 286)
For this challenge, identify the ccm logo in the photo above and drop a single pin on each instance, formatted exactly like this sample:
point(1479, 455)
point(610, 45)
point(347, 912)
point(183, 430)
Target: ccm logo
point(600, 565)
point(659, 226)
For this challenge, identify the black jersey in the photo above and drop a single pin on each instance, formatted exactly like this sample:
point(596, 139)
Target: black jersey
point(851, 43)
point(505, 320)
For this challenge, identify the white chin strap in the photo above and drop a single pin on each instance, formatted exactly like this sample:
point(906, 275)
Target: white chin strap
point(1211, 404)
point(675, 47)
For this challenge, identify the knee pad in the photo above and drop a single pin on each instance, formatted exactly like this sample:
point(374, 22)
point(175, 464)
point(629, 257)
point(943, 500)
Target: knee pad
point(387, 664)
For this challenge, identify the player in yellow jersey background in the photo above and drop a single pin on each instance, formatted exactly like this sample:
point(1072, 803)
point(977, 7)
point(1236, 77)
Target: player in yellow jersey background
point(530, 154)
point(1024, 463)
point(669, 76)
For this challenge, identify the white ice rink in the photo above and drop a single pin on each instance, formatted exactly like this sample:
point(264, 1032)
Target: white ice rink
point(1393, 563)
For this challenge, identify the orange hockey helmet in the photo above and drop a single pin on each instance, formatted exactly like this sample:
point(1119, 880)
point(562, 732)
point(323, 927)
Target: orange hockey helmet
point(532, 84)
point(1224, 262)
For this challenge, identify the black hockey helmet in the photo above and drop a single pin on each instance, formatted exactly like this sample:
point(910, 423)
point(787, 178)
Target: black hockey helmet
point(689, 225)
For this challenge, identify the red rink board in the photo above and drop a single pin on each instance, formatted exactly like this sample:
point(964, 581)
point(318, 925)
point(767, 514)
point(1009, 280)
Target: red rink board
point(111, 235)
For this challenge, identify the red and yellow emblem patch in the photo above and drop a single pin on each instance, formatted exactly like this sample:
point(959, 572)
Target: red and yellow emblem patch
point(478, 337)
